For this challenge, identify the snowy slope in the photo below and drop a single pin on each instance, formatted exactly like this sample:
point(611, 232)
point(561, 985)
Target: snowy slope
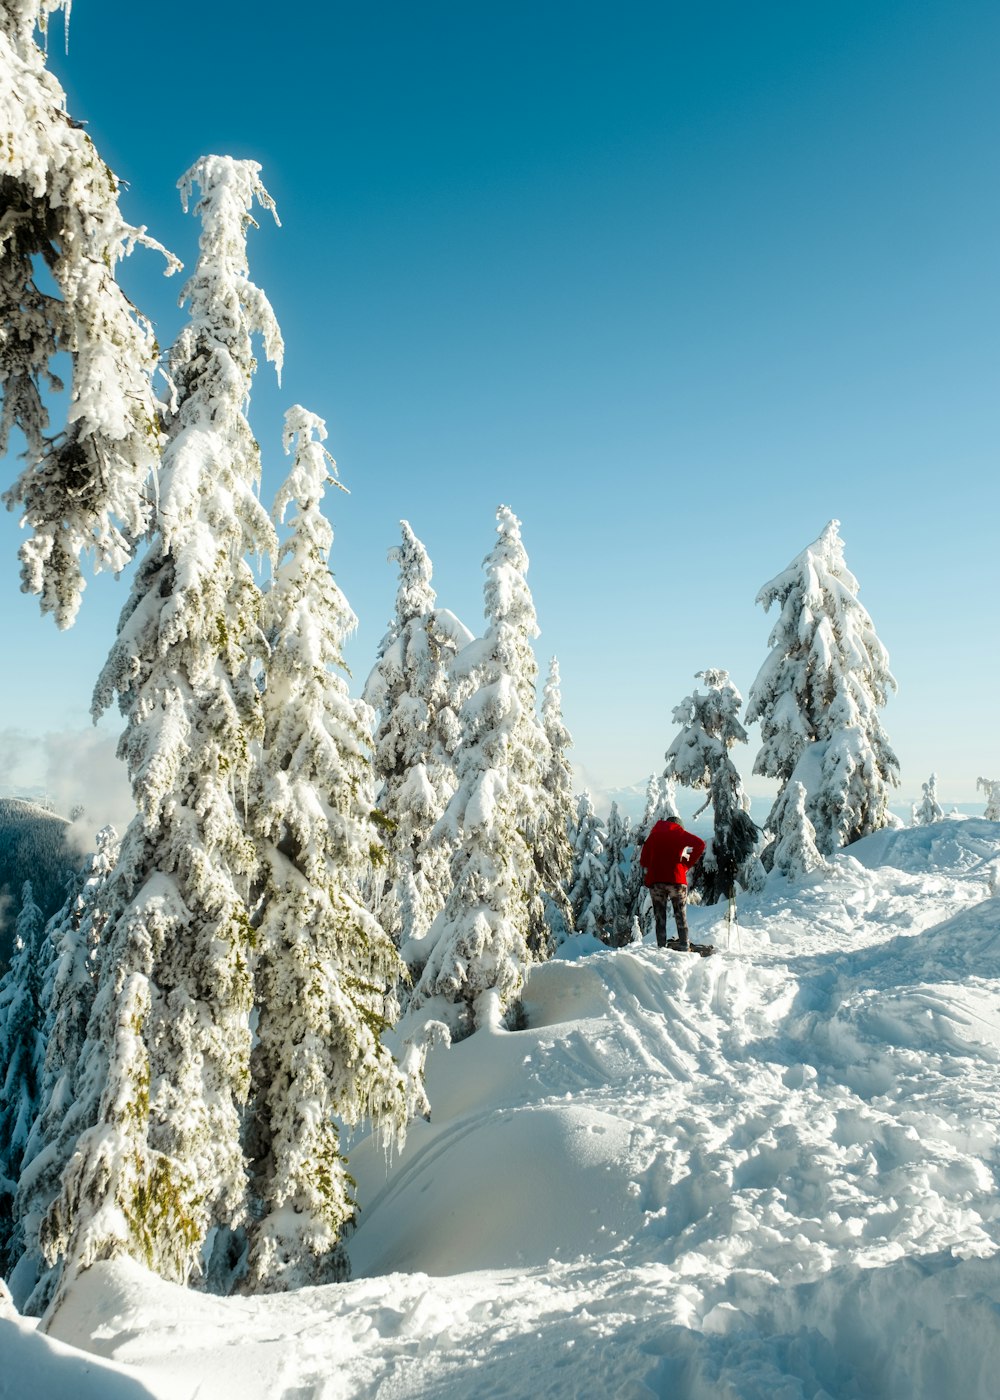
point(33, 846)
point(771, 1173)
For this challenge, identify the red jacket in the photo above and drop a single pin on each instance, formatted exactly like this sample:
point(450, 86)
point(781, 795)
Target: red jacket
point(669, 853)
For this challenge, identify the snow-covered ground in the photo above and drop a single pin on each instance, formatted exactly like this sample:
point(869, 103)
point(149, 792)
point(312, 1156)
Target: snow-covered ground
point(772, 1173)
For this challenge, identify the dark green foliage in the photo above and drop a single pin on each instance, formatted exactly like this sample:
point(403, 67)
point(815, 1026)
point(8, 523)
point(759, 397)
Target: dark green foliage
point(33, 847)
point(733, 843)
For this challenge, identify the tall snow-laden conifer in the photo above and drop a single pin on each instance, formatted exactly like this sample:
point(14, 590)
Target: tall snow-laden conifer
point(699, 758)
point(22, 1055)
point(327, 971)
point(67, 997)
point(478, 946)
point(412, 689)
point(817, 698)
point(991, 787)
point(83, 490)
point(164, 1161)
point(553, 849)
point(590, 876)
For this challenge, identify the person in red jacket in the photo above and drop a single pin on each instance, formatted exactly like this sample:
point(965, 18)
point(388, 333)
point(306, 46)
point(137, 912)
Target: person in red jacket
point(667, 855)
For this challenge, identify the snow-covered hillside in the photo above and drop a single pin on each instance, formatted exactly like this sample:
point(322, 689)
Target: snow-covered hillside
point(772, 1173)
point(33, 846)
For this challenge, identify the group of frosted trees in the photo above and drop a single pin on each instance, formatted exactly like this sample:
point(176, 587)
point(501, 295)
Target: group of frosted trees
point(188, 1037)
point(476, 793)
point(213, 1007)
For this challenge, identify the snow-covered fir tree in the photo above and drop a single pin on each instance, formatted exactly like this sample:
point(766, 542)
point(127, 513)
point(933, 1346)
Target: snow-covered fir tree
point(661, 803)
point(589, 873)
point(637, 906)
point(699, 758)
point(991, 787)
point(930, 809)
point(620, 855)
point(163, 1163)
point(553, 851)
point(795, 851)
point(22, 1055)
point(327, 970)
point(82, 491)
point(817, 698)
point(479, 945)
point(67, 998)
point(412, 688)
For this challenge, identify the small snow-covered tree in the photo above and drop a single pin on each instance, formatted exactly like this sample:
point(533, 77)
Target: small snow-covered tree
point(636, 901)
point(991, 787)
point(620, 855)
point(661, 803)
point(699, 758)
point(164, 1163)
point(327, 971)
point(795, 851)
point(478, 946)
point(67, 998)
point(817, 698)
point(553, 851)
point(83, 490)
point(590, 877)
point(930, 809)
point(22, 1054)
point(412, 689)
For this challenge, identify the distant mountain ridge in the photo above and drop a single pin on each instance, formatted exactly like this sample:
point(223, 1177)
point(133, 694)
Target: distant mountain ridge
point(33, 846)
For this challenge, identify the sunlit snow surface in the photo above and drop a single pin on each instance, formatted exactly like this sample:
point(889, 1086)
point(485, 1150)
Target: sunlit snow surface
point(772, 1173)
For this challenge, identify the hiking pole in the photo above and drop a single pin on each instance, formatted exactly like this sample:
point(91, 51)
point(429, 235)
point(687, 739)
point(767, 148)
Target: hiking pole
point(732, 917)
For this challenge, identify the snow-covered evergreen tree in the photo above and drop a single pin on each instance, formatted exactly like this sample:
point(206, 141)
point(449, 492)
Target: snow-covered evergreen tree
point(620, 855)
point(83, 489)
point(164, 1161)
point(930, 809)
point(817, 698)
point(661, 803)
point(991, 787)
point(636, 899)
point(699, 758)
point(22, 1054)
point(67, 998)
point(327, 971)
point(412, 689)
point(553, 851)
point(478, 946)
point(795, 851)
point(590, 876)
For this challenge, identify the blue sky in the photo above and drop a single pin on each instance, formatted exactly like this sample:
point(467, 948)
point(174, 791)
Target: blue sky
point(676, 282)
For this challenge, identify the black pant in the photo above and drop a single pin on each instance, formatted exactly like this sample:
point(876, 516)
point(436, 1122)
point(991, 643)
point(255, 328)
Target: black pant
point(677, 895)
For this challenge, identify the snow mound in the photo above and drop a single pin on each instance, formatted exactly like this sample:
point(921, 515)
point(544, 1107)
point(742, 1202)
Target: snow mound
point(40, 1367)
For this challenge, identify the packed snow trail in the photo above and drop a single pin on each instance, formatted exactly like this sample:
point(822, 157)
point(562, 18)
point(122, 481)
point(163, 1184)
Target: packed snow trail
point(768, 1173)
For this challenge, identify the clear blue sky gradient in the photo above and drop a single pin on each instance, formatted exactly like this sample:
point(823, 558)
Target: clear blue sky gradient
point(677, 282)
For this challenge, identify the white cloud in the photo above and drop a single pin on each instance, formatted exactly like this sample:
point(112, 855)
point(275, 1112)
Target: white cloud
point(85, 782)
point(15, 750)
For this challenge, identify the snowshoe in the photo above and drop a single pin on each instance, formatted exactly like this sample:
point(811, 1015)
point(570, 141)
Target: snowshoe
point(704, 949)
